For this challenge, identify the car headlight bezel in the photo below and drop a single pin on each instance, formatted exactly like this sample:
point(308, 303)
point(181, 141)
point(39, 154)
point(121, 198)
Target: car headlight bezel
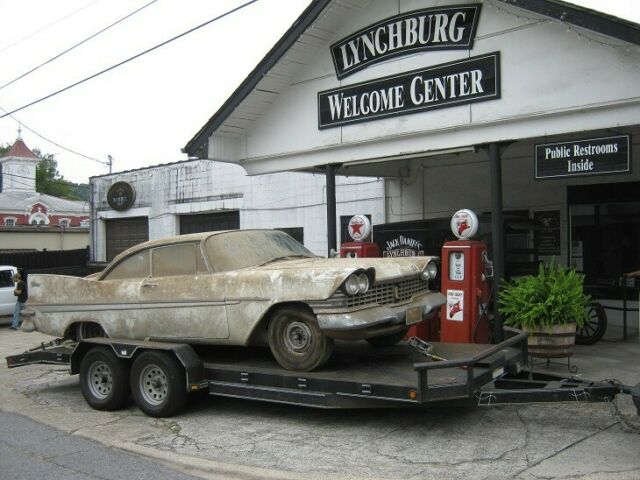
point(356, 283)
point(429, 272)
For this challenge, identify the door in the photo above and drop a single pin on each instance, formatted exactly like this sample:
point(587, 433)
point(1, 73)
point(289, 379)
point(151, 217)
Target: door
point(7, 298)
point(123, 233)
point(181, 299)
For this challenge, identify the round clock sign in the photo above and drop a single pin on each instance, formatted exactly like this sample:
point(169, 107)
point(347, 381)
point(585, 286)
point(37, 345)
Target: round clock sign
point(121, 196)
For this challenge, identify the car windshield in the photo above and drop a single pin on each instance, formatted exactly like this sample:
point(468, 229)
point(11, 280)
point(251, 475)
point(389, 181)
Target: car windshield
point(250, 248)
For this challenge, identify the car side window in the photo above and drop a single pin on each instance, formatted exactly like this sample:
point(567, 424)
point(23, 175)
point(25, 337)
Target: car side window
point(135, 266)
point(6, 279)
point(180, 259)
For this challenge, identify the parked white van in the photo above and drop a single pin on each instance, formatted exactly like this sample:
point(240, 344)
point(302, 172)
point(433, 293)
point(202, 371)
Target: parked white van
point(7, 299)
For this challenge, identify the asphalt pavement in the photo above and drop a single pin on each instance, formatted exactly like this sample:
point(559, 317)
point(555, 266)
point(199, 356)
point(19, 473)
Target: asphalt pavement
point(238, 439)
point(30, 450)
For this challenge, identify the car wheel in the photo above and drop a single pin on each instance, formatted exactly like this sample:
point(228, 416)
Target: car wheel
point(158, 384)
point(388, 340)
point(104, 379)
point(296, 340)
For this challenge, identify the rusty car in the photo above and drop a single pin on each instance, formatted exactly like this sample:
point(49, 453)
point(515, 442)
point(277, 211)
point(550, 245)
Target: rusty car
point(240, 287)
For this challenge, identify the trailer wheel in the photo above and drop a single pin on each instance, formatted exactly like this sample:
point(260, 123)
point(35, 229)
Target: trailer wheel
point(104, 379)
point(296, 341)
point(158, 384)
point(388, 340)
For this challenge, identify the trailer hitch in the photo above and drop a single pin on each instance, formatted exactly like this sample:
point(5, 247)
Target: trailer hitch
point(635, 395)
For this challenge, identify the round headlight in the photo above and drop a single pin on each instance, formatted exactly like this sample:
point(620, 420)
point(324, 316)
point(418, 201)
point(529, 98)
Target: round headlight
point(363, 283)
point(430, 271)
point(351, 285)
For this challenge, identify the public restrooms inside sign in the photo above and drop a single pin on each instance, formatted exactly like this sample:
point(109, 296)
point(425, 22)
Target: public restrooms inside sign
point(452, 27)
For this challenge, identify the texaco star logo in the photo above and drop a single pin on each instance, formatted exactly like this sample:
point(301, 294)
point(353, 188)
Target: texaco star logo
point(359, 227)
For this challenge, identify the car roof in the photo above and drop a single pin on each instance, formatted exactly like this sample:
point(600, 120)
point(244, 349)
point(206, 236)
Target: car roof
point(190, 237)
point(5, 267)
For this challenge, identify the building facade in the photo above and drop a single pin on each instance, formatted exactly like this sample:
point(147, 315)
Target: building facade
point(201, 195)
point(525, 112)
point(34, 221)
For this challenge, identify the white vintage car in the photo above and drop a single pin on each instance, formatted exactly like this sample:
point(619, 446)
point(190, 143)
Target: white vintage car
point(241, 287)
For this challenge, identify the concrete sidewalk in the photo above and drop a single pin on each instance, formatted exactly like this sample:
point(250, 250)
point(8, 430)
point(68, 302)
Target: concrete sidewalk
point(226, 438)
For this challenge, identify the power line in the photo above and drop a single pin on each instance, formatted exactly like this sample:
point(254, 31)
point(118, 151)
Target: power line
point(53, 142)
point(91, 77)
point(76, 45)
point(47, 26)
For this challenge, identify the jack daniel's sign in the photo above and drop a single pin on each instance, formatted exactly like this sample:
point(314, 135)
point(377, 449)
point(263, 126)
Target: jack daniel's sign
point(438, 28)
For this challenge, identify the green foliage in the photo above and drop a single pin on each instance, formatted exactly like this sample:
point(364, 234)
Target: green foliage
point(552, 297)
point(49, 181)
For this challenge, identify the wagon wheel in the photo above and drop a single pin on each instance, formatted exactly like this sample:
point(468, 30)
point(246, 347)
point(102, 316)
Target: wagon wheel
point(594, 326)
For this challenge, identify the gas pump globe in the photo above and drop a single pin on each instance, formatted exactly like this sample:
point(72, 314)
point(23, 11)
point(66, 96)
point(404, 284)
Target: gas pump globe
point(359, 229)
point(466, 283)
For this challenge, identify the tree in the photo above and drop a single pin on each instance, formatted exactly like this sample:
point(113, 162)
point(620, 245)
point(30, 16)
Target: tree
point(48, 180)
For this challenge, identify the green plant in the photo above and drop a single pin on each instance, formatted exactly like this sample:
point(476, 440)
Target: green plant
point(552, 297)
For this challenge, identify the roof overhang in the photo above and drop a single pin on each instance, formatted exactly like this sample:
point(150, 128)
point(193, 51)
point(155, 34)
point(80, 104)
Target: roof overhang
point(593, 20)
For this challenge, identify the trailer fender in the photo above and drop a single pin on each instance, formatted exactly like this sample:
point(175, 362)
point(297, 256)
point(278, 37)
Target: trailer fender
point(186, 355)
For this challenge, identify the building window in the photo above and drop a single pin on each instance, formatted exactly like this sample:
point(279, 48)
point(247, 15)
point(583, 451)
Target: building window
point(38, 218)
point(10, 222)
point(64, 222)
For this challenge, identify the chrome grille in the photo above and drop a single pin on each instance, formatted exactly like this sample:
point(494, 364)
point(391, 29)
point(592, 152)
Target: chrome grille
point(389, 293)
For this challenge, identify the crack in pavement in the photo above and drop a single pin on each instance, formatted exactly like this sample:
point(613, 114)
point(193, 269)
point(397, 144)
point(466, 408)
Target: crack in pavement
point(555, 454)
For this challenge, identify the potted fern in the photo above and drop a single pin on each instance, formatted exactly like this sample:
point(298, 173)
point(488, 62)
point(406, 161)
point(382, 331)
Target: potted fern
point(549, 306)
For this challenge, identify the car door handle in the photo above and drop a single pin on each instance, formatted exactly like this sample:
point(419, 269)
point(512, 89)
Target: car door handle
point(149, 285)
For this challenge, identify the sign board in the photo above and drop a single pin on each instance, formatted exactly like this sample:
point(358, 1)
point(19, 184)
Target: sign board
point(547, 232)
point(359, 228)
point(464, 224)
point(455, 305)
point(121, 196)
point(440, 28)
point(595, 156)
point(461, 82)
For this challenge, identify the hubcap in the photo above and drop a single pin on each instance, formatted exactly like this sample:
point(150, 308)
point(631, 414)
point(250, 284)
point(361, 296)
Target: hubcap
point(153, 385)
point(100, 380)
point(297, 336)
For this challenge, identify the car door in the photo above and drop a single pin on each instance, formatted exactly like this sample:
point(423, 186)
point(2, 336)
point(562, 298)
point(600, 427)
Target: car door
point(7, 298)
point(181, 299)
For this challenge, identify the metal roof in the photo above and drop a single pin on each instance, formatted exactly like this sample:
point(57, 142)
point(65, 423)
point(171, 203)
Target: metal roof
point(312, 30)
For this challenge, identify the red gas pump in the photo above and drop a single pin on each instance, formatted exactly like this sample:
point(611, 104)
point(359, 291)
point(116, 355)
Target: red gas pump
point(466, 282)
point(359, 228)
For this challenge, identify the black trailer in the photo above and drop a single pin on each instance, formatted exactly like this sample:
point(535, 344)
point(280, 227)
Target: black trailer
point(160, 375)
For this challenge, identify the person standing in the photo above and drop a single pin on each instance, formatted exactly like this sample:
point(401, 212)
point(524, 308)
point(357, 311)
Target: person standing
point(21, 292)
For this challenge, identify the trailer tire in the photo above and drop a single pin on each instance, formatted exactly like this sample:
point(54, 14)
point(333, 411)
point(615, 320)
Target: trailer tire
point(158, 384)
point(296, 341)
point(388, 340)
point(104, 379)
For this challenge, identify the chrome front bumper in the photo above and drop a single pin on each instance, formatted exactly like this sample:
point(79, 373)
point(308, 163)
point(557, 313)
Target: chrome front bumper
point(379, 315)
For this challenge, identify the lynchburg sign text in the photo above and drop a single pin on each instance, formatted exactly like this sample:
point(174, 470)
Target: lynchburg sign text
point(461, 82)
point(427, 29)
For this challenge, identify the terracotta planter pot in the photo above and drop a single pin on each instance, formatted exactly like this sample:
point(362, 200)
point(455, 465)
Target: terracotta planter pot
point(551, 342)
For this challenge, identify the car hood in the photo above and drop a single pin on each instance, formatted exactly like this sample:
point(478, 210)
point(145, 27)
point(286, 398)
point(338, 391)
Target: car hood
point(315, 278)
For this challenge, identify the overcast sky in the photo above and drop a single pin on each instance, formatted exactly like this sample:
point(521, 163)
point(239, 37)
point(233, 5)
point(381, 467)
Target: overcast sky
point(142, 113)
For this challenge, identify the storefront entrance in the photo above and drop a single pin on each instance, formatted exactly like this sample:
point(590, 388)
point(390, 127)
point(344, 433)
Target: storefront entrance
point(605, 230)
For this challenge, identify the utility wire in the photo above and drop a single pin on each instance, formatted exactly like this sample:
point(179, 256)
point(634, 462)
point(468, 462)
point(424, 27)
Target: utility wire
point(55, 143)
point(29, 72)
point(91, 77)
point(47, 26)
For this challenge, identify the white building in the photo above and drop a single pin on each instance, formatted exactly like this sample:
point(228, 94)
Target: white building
point(201, 195)
point(515, 109)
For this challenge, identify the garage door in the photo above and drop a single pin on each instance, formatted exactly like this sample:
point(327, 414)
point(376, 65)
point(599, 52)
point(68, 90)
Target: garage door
point(210, 222)
point(124, 233)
